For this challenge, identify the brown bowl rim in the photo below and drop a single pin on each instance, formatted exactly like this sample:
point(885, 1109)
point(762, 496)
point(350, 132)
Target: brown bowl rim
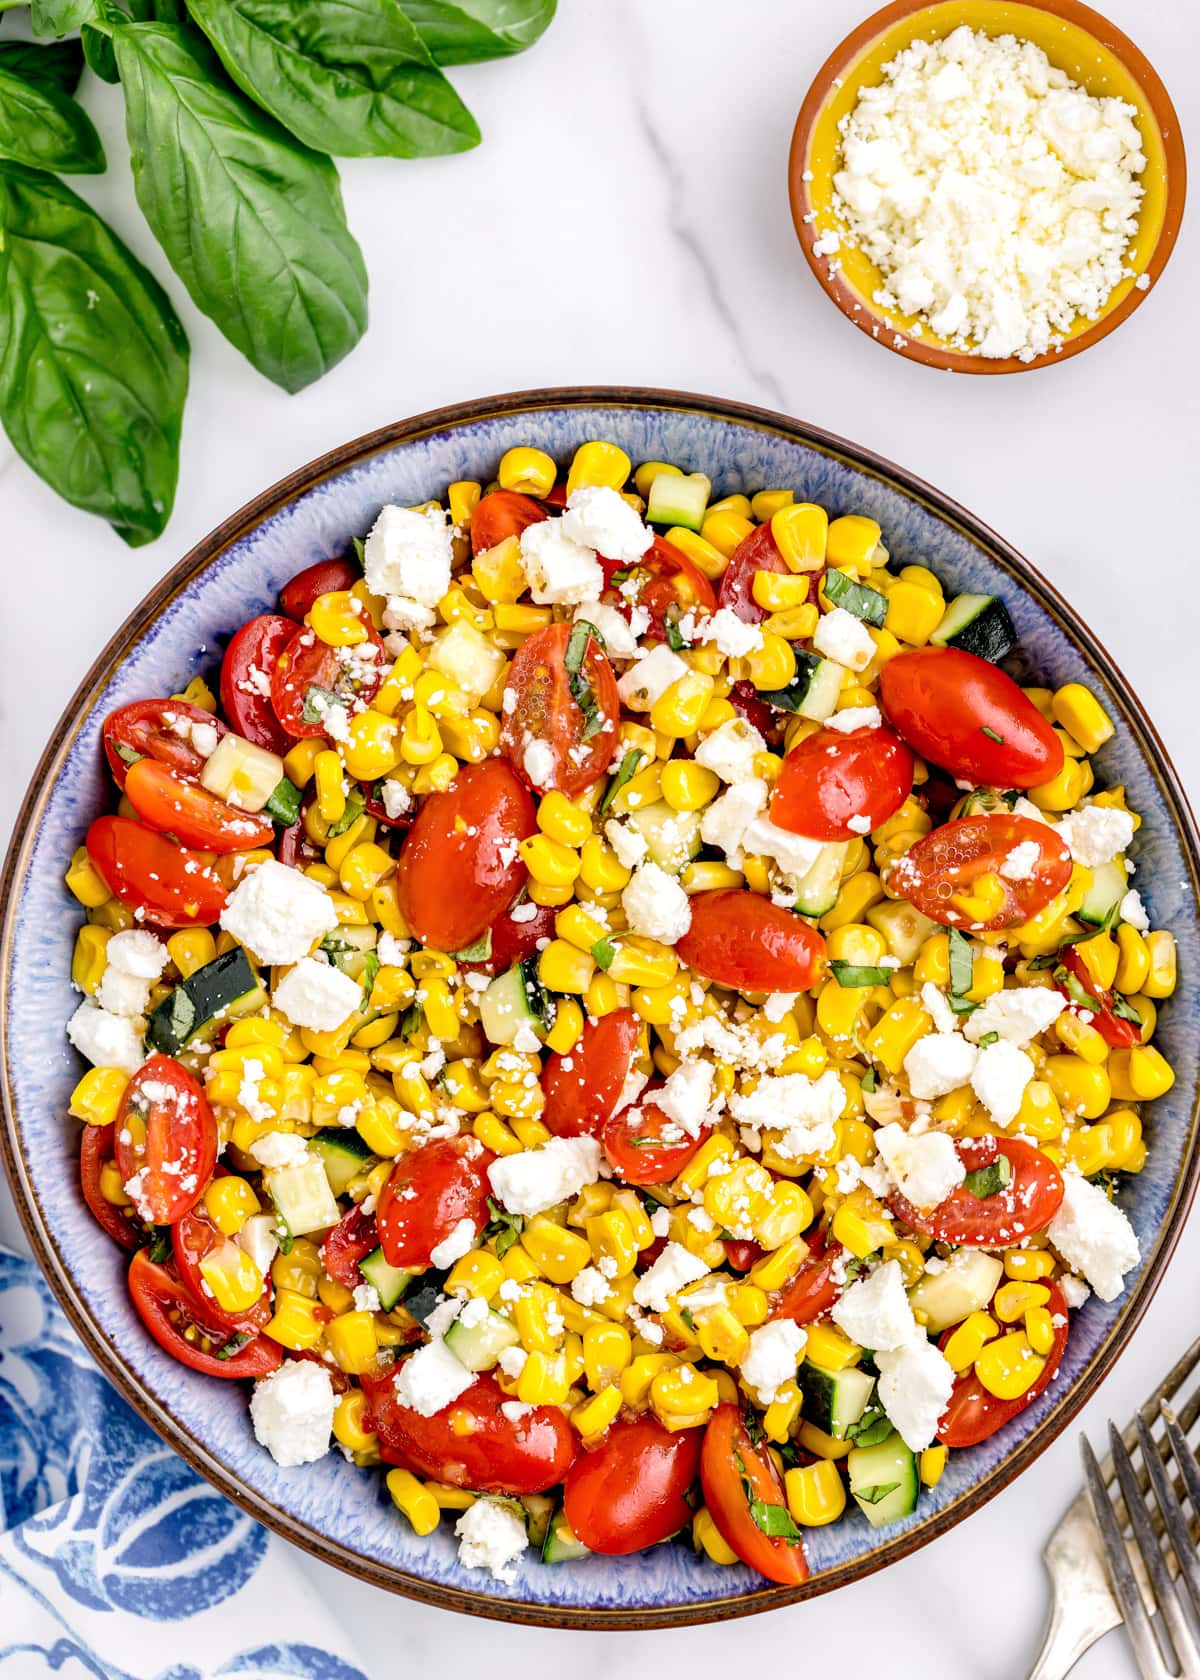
point(196, 1453)
point(863, 315)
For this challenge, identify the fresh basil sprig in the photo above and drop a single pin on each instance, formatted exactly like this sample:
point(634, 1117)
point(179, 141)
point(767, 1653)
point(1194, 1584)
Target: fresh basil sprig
point(55, 65)
point(43, 127)
point(474, 30)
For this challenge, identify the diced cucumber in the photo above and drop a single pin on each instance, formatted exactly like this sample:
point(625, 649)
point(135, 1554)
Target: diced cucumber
point(857, 598)
point(965, 1285)
point(302, 1195)
point(834, 1400)
point(672, 836)
point(479, 1346)
point(539, 1509)
point(425, 1294)
point(678, 499)
point(883, 1480)
point(389, 1282)
point(343, 1154)
point(227, 986)
point(514, 1000)
point(978, 624)
point(464, 654)
point(813, 691)
point(560, 1544)
point(1108, 888)
point(244, 775)
point(818, 889)
point(348, 946)
point(904, 928)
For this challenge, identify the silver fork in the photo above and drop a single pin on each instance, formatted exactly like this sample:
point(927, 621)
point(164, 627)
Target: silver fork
point(1084, 1607)
point(1168, 1638)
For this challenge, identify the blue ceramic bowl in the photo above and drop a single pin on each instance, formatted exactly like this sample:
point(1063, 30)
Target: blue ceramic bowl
point(343, 1514)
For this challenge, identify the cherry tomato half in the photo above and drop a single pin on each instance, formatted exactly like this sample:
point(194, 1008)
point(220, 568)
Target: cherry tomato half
point(194, 1238)
point(167, 1309)
point(668, 585)
point(459, 867)
point(190, 812)
point(310, 676)
point(1029, 1201)
point(643, 1145)
point(813, 1290)
point(166, 1141)
point(500, 514)
point(743, 941)
point(834, 786)
point(938, 873)
point(584, 1086)
point(544, 713)
point(1082, 993)
point(730, 1463)
point(120, 1223)
point(515, 937)
point(246, 673)
point(630, 1490)
point(150, 729)
point(970, 717)
point(298, 594)
point(430, 1191)
point(471, 1443)
point(757, 552)
point(172, 887)
point(973, 1414)
point(351, 1240)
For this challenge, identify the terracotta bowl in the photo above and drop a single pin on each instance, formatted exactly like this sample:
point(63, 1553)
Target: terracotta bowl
point(1076, 39)
point(335, 1511)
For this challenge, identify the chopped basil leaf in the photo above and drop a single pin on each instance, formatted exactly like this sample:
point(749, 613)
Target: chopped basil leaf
point(686, 1316)
point(317, 701)
point(412, 1021)
point(1124, 1010)
point(1049, 959)
point(988, 1038)
point(962, 973)
point(160, 1243)
point(991, 734)
point(283, 806)
point(337, 950)
point(858, 974)
point(127, 755)
point(871, 1428)
point(675, 639)
point(360, 554)
point(234, 1345)
point(604, 951)
point(370, 970)
point(1077, 993)
point(872, 1495)
point(990, 1180)
point(505, 1228)
point(857, 598)
point(773, 1520)
point(283, 1233)
point(355, 805)
point(580, 688)
point(621, 576)
point(869, 1080)
point(626, 773)
point(480, 951)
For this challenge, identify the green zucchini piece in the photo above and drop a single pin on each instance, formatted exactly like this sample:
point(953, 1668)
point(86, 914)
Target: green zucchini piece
point(226, 986)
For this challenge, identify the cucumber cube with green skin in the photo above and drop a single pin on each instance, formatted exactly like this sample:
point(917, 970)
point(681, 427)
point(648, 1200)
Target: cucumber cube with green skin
point(389, 1282)
point(965, 1285)
point(672, 837)
point(977, 624)
point(884, 1481)
point(343, 1154)
point(834, 1400)
point(225, 987)
point(560, 1544)
point(1103, 897)
point(813, 691)
point(514, 1000)
point(479, 1346)
point(818, 890)
point(678, 499)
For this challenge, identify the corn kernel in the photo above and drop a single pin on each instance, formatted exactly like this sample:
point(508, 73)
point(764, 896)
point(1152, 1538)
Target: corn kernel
point(416, 1502)
point(816, 1494)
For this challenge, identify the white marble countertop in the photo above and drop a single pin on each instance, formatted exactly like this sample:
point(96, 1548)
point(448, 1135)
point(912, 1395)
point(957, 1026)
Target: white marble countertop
point(626, 221)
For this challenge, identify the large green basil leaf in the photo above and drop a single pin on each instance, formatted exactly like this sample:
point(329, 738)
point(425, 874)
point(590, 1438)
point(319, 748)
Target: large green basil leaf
point(93, 361)
point(59, 17)
point(97, 43)
point(471, 30)
point(46, 129)
point(251, 220)
point(54, 65)
point(351, 77)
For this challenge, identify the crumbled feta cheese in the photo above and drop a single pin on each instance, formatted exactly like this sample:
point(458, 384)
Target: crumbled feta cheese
point(460, 1241)
point(650, 678)
point(628, 843)
point(122, 994)
point(1133, 911)
point(558, 570)
point(723, 824)
point(137, 952)
point(391, 951)
point(317, 995)
point(925, 1165)
point(598, 517)
point(491, 1536)
point(934, 1000)
point(397, 801)
point(279, 1149)
point(772, 1357)
point(854, 717)
point(590, 1287)
point(407, 558)
point(1096, 834)
point(106, 1040)
point(292, 1412)
point(535, 1179)
point(512, 1361)
point(1094, 1236)
point(1020, 863)
point(259, 1240)
point(843, 638)
point(801, 1112)
point(732, 635)
point(687, 1096)
point(278, 913)
point(366, 1298)
point(660, 1221)
point(939, 1064)
point(915, 1383)
point(779, 1004)
point(1074, 1291)
point(875, 1312)
point(999, 1080)
point(655, 905)
point(730, 750)
point(619, 639)
point(794, 853)
point(1018, 1014)
point(539, 763)
point(674, 1269)
point(431, 1378)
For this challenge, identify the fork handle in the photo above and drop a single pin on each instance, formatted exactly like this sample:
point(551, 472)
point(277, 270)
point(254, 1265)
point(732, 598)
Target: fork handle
point(1068, 1636)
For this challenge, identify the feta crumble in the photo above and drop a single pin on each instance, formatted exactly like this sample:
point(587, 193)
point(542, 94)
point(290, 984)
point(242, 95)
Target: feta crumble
point(656, 905)
point(292, 1412)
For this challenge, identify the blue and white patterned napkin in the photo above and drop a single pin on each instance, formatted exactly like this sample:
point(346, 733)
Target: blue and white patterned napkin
point(114, 1556)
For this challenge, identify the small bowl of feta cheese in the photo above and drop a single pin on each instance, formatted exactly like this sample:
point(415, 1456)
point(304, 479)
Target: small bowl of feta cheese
point(984, 186)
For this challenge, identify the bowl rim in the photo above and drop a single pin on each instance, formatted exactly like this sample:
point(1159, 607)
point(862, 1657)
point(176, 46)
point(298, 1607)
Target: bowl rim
point(861, 314)
point(195, 1453)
